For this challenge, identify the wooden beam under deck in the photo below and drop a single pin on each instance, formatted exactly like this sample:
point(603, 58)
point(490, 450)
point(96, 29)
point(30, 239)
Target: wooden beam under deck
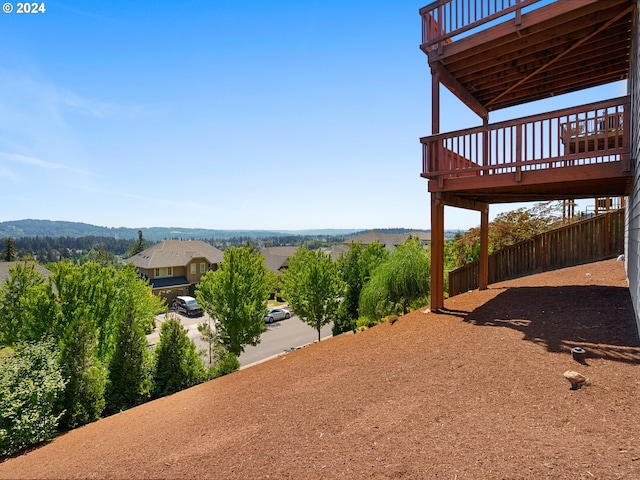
point(586, 181)
point(461, 202)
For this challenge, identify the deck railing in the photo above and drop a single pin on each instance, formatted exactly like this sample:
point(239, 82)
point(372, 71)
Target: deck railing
point(597, 238)
point(582, 135)
point(444, 19)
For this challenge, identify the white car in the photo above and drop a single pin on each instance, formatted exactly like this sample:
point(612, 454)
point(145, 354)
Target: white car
point(276, 314)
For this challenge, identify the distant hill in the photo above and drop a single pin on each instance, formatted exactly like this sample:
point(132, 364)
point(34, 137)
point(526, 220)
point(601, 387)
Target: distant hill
point(49, 228)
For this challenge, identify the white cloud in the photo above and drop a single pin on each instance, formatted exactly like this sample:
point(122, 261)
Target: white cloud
point(25, 91)
point(37, 162)
point(92, 107)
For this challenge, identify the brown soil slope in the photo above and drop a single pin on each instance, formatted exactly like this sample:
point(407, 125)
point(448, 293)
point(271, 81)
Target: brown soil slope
point(474, 392)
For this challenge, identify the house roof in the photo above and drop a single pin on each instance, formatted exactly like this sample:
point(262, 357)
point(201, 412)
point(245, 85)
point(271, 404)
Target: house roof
point(276, 257)
point(166, 282)
point(176, 253)
point(336, 250)
point(389, 240)
point(4, 270)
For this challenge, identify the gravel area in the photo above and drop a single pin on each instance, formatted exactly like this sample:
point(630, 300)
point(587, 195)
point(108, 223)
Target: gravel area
point(476, 391)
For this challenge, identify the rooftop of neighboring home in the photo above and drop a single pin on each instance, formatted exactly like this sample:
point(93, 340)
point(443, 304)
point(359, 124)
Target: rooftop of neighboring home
point(5, 266)
point(173, 253)
point(389, 240)
point(277, 257)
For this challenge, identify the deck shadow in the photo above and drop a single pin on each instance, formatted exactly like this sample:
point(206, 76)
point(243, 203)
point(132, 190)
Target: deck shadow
point(599, 319)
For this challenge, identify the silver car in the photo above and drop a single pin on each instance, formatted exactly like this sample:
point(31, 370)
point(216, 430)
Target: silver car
point(276, 314)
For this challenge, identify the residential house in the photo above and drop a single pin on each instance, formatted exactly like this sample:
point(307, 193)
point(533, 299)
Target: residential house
point(174, 267)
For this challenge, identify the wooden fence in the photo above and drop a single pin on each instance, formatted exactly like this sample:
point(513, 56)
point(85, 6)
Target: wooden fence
point(597, 238)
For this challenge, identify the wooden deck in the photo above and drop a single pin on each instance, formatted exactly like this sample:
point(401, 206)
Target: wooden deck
point(579, 152)
point(501, 53)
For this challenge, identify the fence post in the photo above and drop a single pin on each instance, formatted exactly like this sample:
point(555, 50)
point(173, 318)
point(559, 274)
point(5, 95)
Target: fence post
point(483, 270)
point(607, 234)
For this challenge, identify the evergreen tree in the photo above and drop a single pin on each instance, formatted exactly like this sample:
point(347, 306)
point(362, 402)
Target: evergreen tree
point(139, 246)
point(83, 400)
point(9, 254)
point(100, 255)
point(129, 382)
point(177, 364)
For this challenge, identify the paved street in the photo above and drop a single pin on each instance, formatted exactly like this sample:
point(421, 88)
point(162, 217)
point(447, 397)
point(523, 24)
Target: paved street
point(280, 337)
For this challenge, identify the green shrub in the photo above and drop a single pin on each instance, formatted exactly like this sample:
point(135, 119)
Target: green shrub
point(31, 386)
point(228, 363)
point(364, 323)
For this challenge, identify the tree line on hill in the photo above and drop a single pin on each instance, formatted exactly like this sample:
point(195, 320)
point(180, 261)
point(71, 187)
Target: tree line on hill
point(98, 248)
point(48, 228)
point(54, 249)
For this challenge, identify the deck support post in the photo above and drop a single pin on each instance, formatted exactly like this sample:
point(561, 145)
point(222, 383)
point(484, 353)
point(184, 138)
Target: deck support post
point(437, 252)
point(483, 273)
point(437, 209)
point(483, 281)
point(435, 102)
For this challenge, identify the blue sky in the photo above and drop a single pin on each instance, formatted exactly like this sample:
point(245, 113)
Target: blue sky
point(222, 114)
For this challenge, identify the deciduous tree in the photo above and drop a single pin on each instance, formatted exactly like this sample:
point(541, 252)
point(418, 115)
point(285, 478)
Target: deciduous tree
point(91, 289)
point(313, 287)
point(399, 283)
point(356, 267)
point(508, 228)
point(235, 296)
point(106, 295)
point(27, 307)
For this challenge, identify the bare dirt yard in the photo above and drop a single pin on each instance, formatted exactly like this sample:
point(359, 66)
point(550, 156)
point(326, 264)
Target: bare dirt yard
point(474, 392)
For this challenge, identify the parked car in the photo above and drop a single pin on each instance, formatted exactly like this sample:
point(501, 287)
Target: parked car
point(276, 314)
point(187, 306)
